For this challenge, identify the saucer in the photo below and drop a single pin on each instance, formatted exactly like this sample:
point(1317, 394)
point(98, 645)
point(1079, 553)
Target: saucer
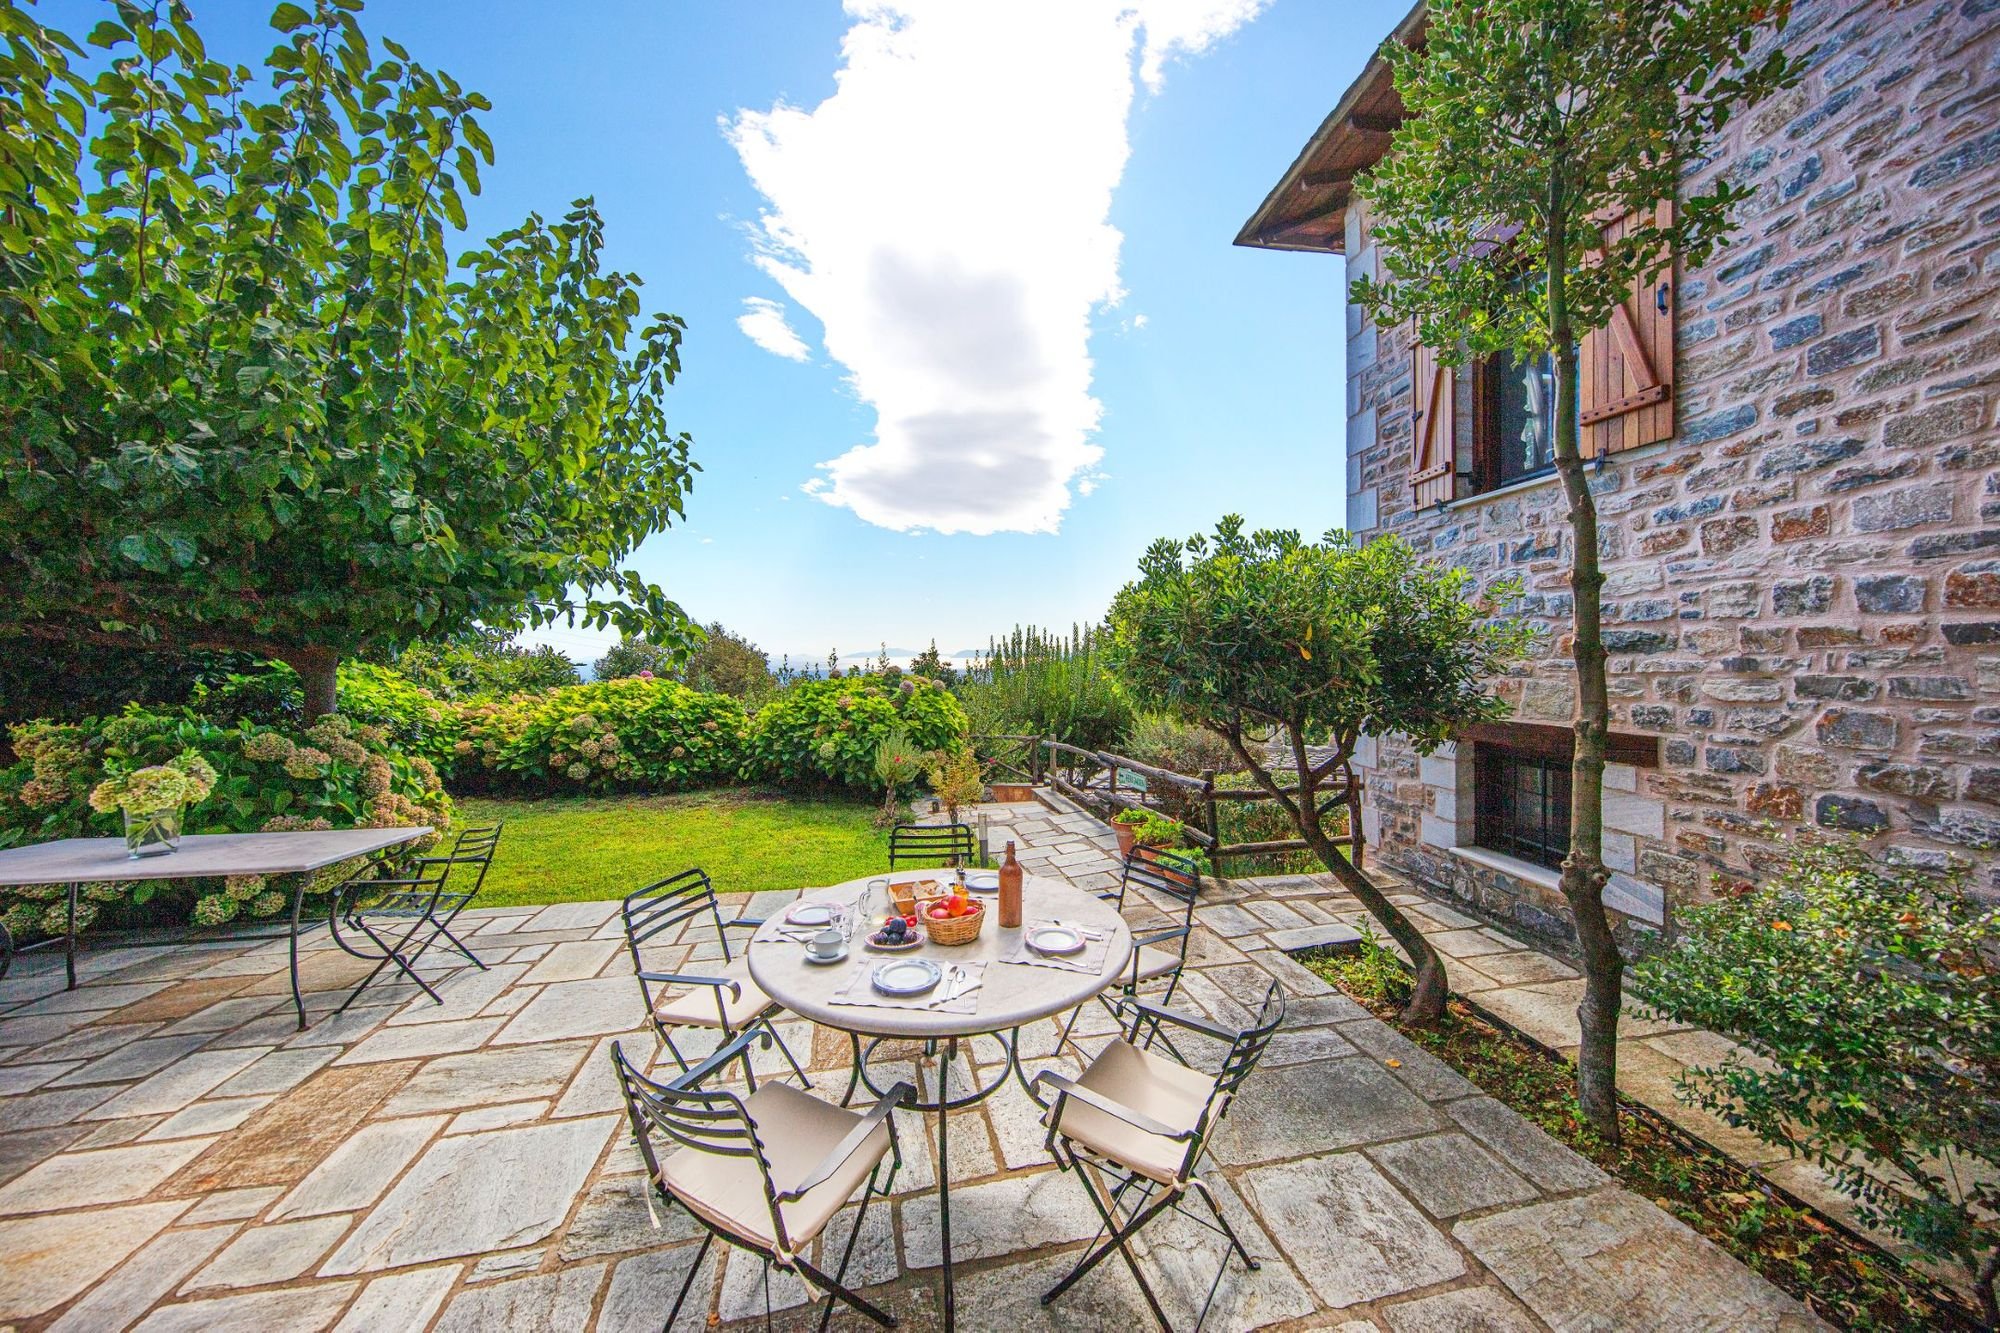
point(824, 959)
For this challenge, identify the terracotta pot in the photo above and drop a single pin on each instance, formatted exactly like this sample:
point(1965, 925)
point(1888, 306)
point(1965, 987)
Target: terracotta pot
point(1008, 793)
point(1127, 835)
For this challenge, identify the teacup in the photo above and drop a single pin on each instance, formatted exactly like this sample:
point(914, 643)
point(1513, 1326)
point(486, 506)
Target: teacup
point(826, 944)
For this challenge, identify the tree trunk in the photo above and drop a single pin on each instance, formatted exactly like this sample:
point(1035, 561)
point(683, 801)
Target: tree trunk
point(1430, 988)
point(1583, 871)
point(318, 669)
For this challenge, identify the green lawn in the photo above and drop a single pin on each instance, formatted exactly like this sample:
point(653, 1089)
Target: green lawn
point(575, 848)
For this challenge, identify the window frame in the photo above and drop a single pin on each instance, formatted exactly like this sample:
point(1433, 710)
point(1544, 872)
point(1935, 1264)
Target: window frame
point(1496, 829)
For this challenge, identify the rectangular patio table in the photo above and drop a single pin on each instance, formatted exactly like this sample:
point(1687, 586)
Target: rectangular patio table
point(80, 861)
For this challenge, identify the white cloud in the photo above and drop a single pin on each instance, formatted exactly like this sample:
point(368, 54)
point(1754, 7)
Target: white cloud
point(763, 322)
point(944, 215)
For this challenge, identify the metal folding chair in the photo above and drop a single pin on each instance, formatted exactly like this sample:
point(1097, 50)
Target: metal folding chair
point(1137, 1122)
point(728, 1002)
point(929, 844)
point(1155, 953)
point(391, 914)
point(764, 1170)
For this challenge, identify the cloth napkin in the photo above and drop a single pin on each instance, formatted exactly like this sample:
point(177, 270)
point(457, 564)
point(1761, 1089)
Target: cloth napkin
point(859, 990)
point(1089, 961)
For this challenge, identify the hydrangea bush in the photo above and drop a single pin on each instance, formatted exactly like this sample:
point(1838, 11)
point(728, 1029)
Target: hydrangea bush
point(334, 774)
point(653, 734)
point(828, 731)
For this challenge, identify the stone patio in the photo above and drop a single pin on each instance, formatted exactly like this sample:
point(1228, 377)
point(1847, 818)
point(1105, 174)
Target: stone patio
point(178, 1156)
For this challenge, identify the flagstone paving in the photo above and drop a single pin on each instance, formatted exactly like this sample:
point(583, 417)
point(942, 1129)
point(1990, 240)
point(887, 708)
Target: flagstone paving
point(177, 1156)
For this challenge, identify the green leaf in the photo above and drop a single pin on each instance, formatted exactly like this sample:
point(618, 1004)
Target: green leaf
point(289, 18)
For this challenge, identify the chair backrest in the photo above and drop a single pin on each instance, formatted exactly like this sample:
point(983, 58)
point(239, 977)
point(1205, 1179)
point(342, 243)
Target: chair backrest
point(665, 904)
point(473, 847)
point(1244, 1053)
point(692, 1117)
point(931, 842)
point(1169, 873)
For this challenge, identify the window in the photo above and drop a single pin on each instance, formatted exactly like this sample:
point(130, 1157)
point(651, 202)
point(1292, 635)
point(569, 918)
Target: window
point(1521, 417)
point(1521, 803)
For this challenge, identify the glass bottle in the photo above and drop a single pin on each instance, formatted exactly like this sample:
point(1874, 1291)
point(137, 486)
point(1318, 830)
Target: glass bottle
point(1010, 890)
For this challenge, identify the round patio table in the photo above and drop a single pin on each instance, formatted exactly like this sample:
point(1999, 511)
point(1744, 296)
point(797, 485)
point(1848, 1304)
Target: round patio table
point(1011, 995)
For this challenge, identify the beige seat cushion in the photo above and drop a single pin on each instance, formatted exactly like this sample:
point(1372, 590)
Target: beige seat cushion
point(1153, 1086)
point(797, 1130)
point(1156, 962)
point(695, 1005)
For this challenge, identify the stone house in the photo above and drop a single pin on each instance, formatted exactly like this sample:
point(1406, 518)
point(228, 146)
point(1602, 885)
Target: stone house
point(1798, 473)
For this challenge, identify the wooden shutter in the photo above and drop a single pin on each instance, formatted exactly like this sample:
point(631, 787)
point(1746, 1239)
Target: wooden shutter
point(1433, 422)
point(1625, 371)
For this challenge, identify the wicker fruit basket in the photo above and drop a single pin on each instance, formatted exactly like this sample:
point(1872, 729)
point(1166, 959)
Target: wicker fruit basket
point(955, 930)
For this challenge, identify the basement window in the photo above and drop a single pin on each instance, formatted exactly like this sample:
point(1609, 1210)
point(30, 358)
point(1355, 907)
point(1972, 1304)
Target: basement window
point(1521, 803)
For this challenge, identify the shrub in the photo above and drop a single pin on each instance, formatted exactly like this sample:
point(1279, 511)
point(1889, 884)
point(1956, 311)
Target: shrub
point(1167, 742)
point(1035, 683)
point(335, 774)
point(722, 663)
point(486, 666)
point(418, 722)
point(618, 733)
point(1873, 993)
point(821, 731)
point(898, 764)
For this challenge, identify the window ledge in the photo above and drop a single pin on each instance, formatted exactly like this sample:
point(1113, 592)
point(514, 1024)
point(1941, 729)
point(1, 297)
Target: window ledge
point(1502, 492)
point(1511, 865)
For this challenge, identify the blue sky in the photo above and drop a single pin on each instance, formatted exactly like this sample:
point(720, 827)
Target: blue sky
point(942, 226)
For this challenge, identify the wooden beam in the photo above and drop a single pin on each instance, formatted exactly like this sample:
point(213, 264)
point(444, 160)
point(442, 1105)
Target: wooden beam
point(1302, 231)
point(1551, 742)
point(1368, 124)
point(1316, 180)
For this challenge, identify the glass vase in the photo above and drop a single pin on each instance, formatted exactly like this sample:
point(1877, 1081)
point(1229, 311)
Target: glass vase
point(152, 832)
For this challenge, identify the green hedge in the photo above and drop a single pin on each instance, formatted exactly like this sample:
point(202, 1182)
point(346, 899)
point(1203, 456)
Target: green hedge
point(334, 774)
point(651, 734)
point(827, 731)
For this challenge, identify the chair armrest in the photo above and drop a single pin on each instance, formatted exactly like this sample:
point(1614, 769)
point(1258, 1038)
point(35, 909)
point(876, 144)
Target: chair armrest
point(1156, 936)
point(1067, 1088)
point(1178, 1018)
point(688, 979)
point(744, 921)
point(736, 1048)
point(896, 1096)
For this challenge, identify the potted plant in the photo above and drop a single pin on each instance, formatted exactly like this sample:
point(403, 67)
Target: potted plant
point(1126, 825)
point(153, 801)
point(1154, 832)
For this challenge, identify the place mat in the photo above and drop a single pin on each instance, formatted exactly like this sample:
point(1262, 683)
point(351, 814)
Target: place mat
point(1089, 961)
point(857, 991)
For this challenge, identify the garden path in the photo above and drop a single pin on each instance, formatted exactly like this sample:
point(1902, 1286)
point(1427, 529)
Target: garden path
point(177, 1156)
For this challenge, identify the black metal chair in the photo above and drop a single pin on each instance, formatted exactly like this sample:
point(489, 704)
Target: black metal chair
point(473, 848)
point(1135, 1120)
point(1155, 953)
point(929, 844)
point(391, 913)
point(765, 1171)
point(730, 1002)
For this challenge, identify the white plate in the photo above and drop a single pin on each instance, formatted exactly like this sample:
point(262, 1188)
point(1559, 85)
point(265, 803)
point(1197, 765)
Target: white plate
point(983, 881)
point(1055, 940)
point(906, 976)
point(809, 914)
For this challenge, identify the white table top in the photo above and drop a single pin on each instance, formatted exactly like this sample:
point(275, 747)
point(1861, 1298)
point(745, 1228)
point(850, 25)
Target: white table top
point(1012, 993)
point(200, 855)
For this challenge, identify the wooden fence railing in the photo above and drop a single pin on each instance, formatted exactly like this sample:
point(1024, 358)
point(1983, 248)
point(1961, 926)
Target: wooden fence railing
point(1108, 783)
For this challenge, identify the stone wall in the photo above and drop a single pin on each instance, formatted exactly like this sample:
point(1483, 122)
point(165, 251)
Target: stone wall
point(1804, 585)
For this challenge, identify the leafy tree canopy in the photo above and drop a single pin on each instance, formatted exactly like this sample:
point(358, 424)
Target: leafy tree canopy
point(1250, 631)
point(720, 662)
point(248, 404)
point(1531, 120)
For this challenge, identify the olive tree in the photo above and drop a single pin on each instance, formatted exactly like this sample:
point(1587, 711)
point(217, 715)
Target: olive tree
point(1316, 645)
point(246, 402)
point(1531, 122)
